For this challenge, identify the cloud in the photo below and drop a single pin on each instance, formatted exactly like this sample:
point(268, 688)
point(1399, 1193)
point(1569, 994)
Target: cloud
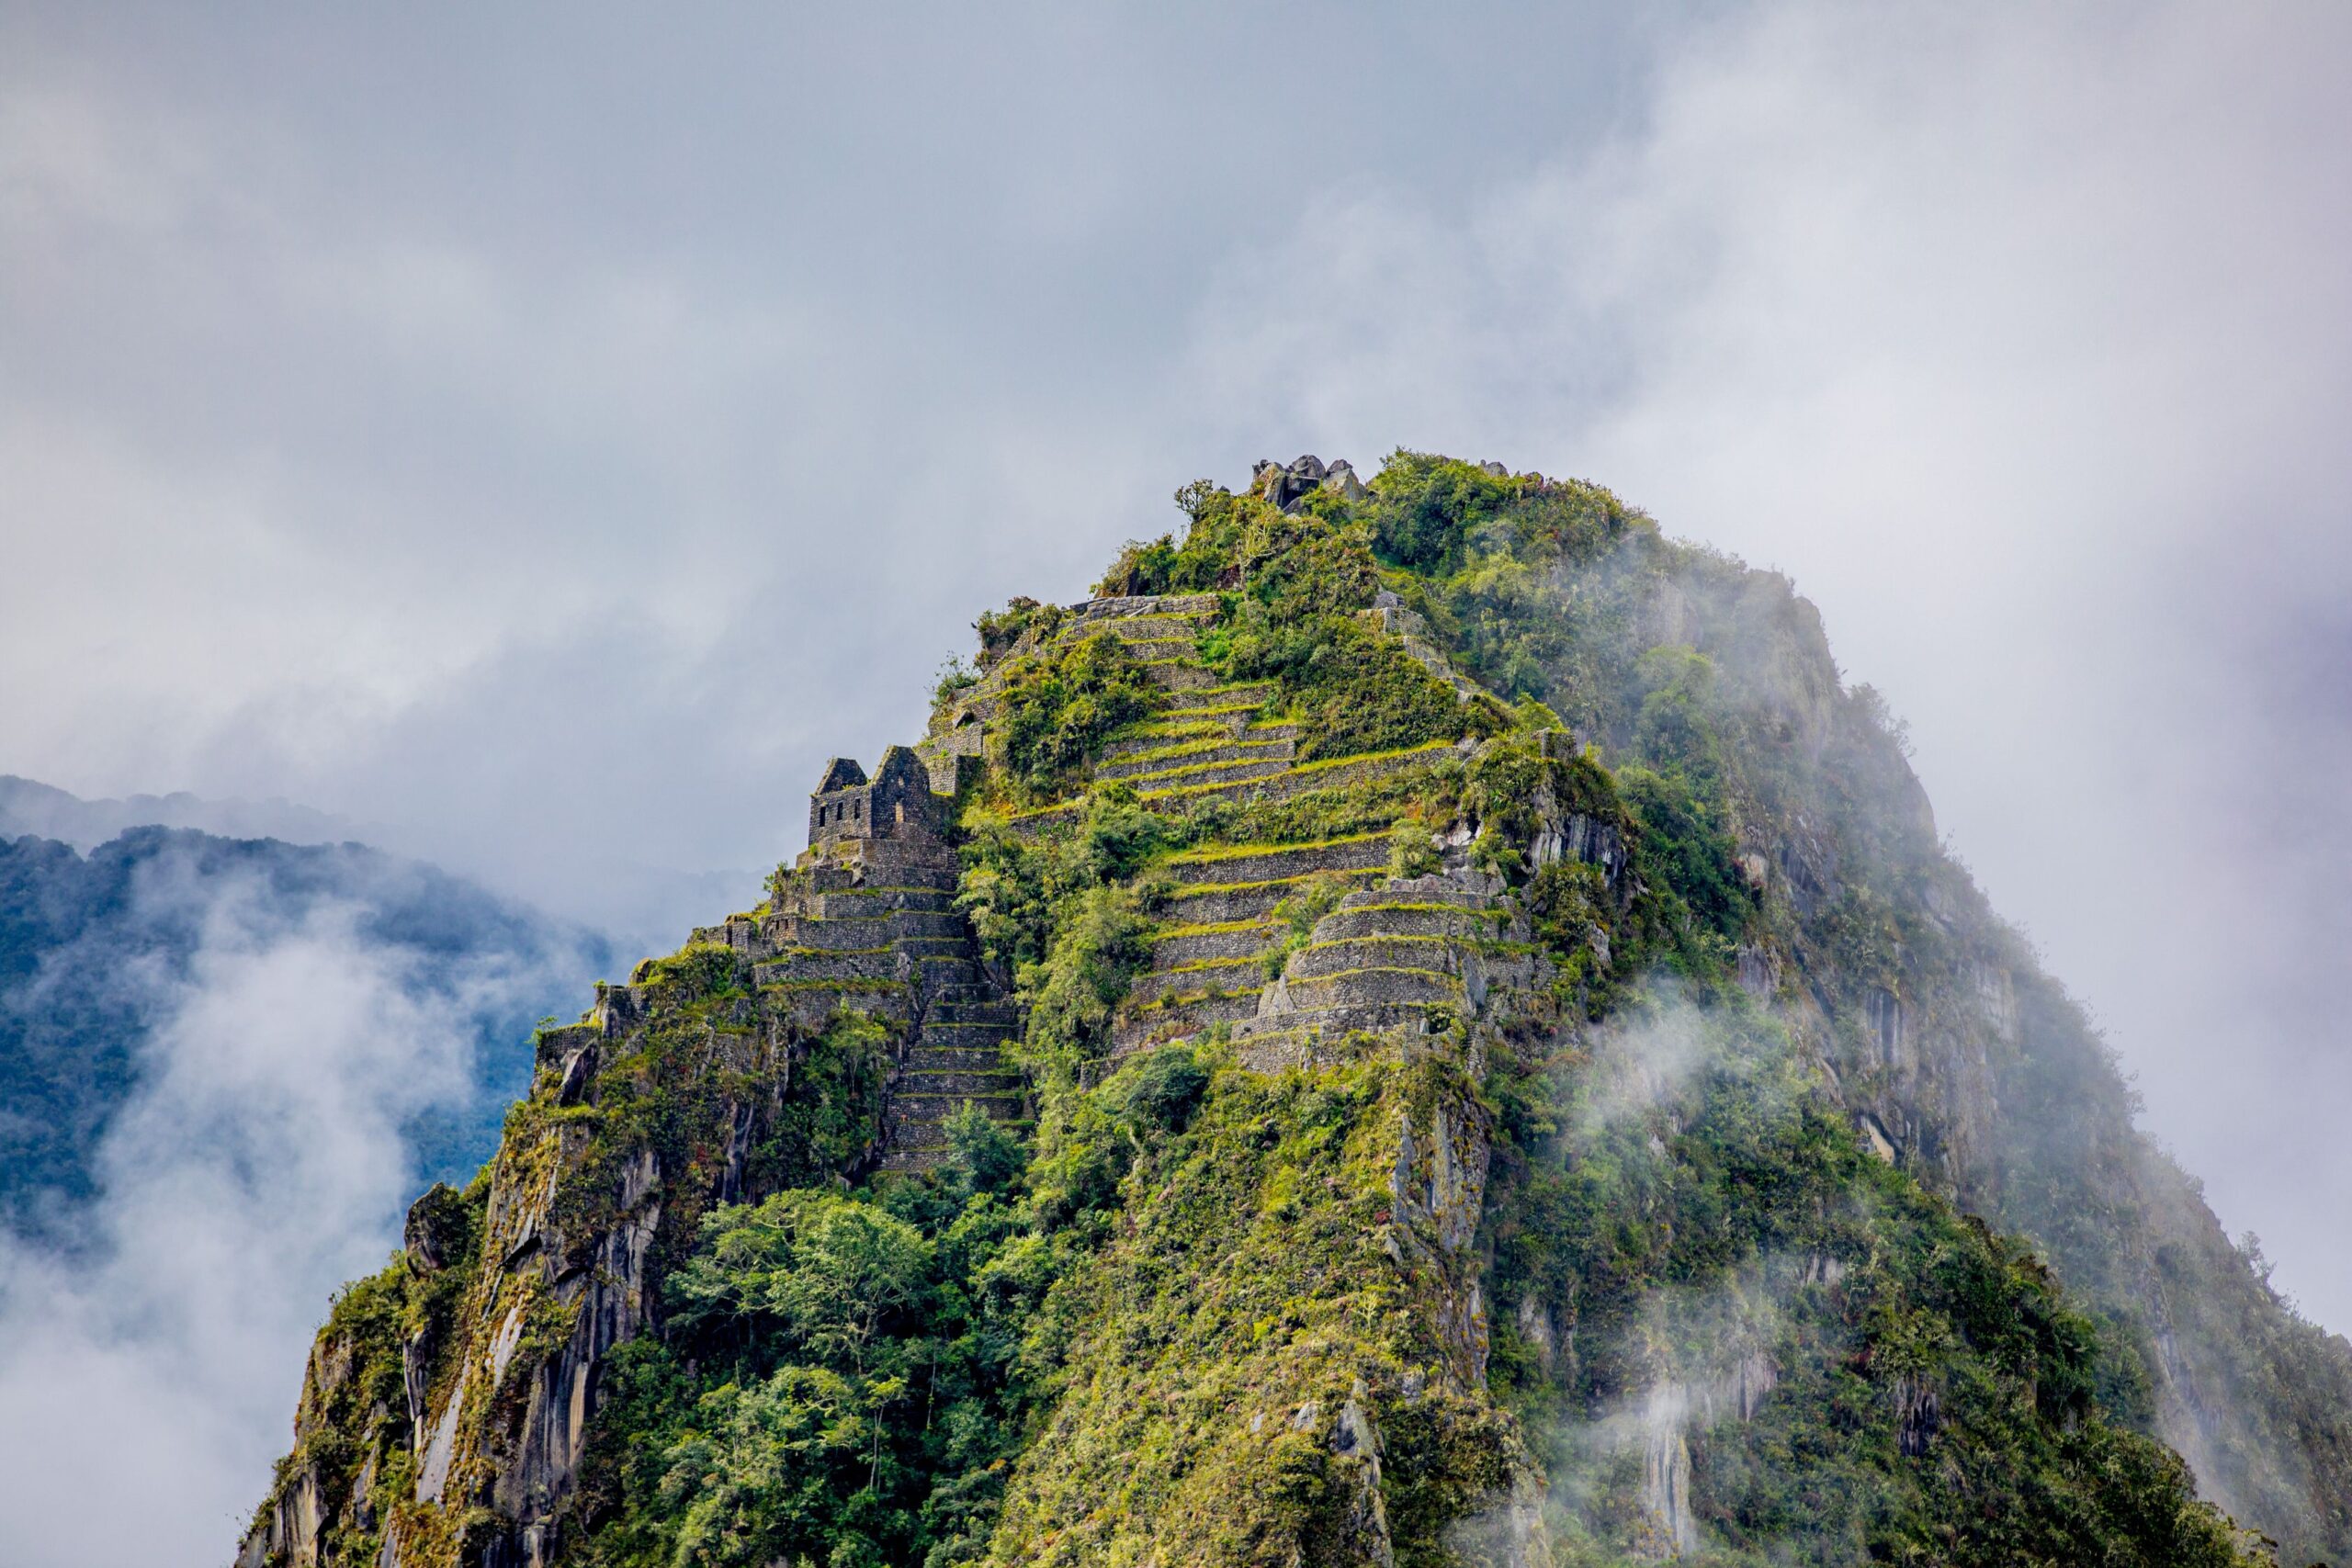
point(260, 1164)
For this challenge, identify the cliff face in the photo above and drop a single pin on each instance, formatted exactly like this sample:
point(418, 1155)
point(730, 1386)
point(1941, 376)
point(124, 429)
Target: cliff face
point(1422, 1025)
point(1930, 1018)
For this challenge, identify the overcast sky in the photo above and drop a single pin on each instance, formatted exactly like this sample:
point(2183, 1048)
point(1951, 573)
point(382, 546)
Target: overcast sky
point(550, 434)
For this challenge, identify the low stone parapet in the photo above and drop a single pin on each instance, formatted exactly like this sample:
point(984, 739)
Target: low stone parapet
point(1213, 904)
point(1262, 863)
point(1213, 974)
point(1373, 987)
point(1321, 958)
point(1238, 941)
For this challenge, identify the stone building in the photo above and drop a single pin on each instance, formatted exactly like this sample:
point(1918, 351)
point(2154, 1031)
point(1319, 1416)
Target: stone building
point(896, 803)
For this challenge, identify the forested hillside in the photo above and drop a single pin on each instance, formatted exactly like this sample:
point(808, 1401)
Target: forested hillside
point(1421, 1025)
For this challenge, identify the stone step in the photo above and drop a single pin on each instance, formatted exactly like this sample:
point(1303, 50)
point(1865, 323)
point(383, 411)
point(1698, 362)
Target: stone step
point(915, 1149)
point(1221, 903)
point(1187, 774)
point(1321, 958)
point(1209, 976)
point(931, 1081)
point(1193, 753)
point(1229, 865)
point(1306, 778)
point(958, 946)
point(1244, 696)
point(917, 1107)
point(1375, 987)
point(923, 1057)
point(945, 969)
point(924, 1134)
point(1000, 1018)
point(960, 1036)
point(1179, 1020)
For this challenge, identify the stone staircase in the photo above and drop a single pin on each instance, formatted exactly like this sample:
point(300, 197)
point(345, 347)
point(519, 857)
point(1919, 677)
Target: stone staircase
point(956, 1057)
point(877, 918)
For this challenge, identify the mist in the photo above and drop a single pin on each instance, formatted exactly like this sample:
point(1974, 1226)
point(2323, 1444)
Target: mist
point(552, 442)
point(261, 1161)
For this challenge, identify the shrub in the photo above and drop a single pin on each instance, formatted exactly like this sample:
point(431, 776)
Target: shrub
point(1058, 705)
point(1412, 851)
point(1001, 630)
point(1104, 941)
point(1142, 568)
point(1159, 1091)
point(981, 1156)
point(1425, 509)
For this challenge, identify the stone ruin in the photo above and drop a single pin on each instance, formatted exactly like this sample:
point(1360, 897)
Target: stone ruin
point(897, 803)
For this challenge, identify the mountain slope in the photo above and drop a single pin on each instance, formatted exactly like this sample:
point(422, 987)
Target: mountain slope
point(43, 811)
point(1503, 1072)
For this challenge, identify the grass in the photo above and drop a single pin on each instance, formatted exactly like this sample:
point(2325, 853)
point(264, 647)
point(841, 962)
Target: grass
point(1451, 982)
point(1172, 1000)
point(1160, 729)
point(1139, 779)
point(1212, 741)
point(1214, 927)
point(1201, 890)
point(1304, 769)
point(1215, 852)
point(1202, 966)
point(1383, 937)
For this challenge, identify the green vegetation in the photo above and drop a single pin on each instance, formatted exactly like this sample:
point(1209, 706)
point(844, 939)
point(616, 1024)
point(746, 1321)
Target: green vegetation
point(1893, 1327)
point(1587, 1261)
point(1059, 705)
point(837, 1385)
